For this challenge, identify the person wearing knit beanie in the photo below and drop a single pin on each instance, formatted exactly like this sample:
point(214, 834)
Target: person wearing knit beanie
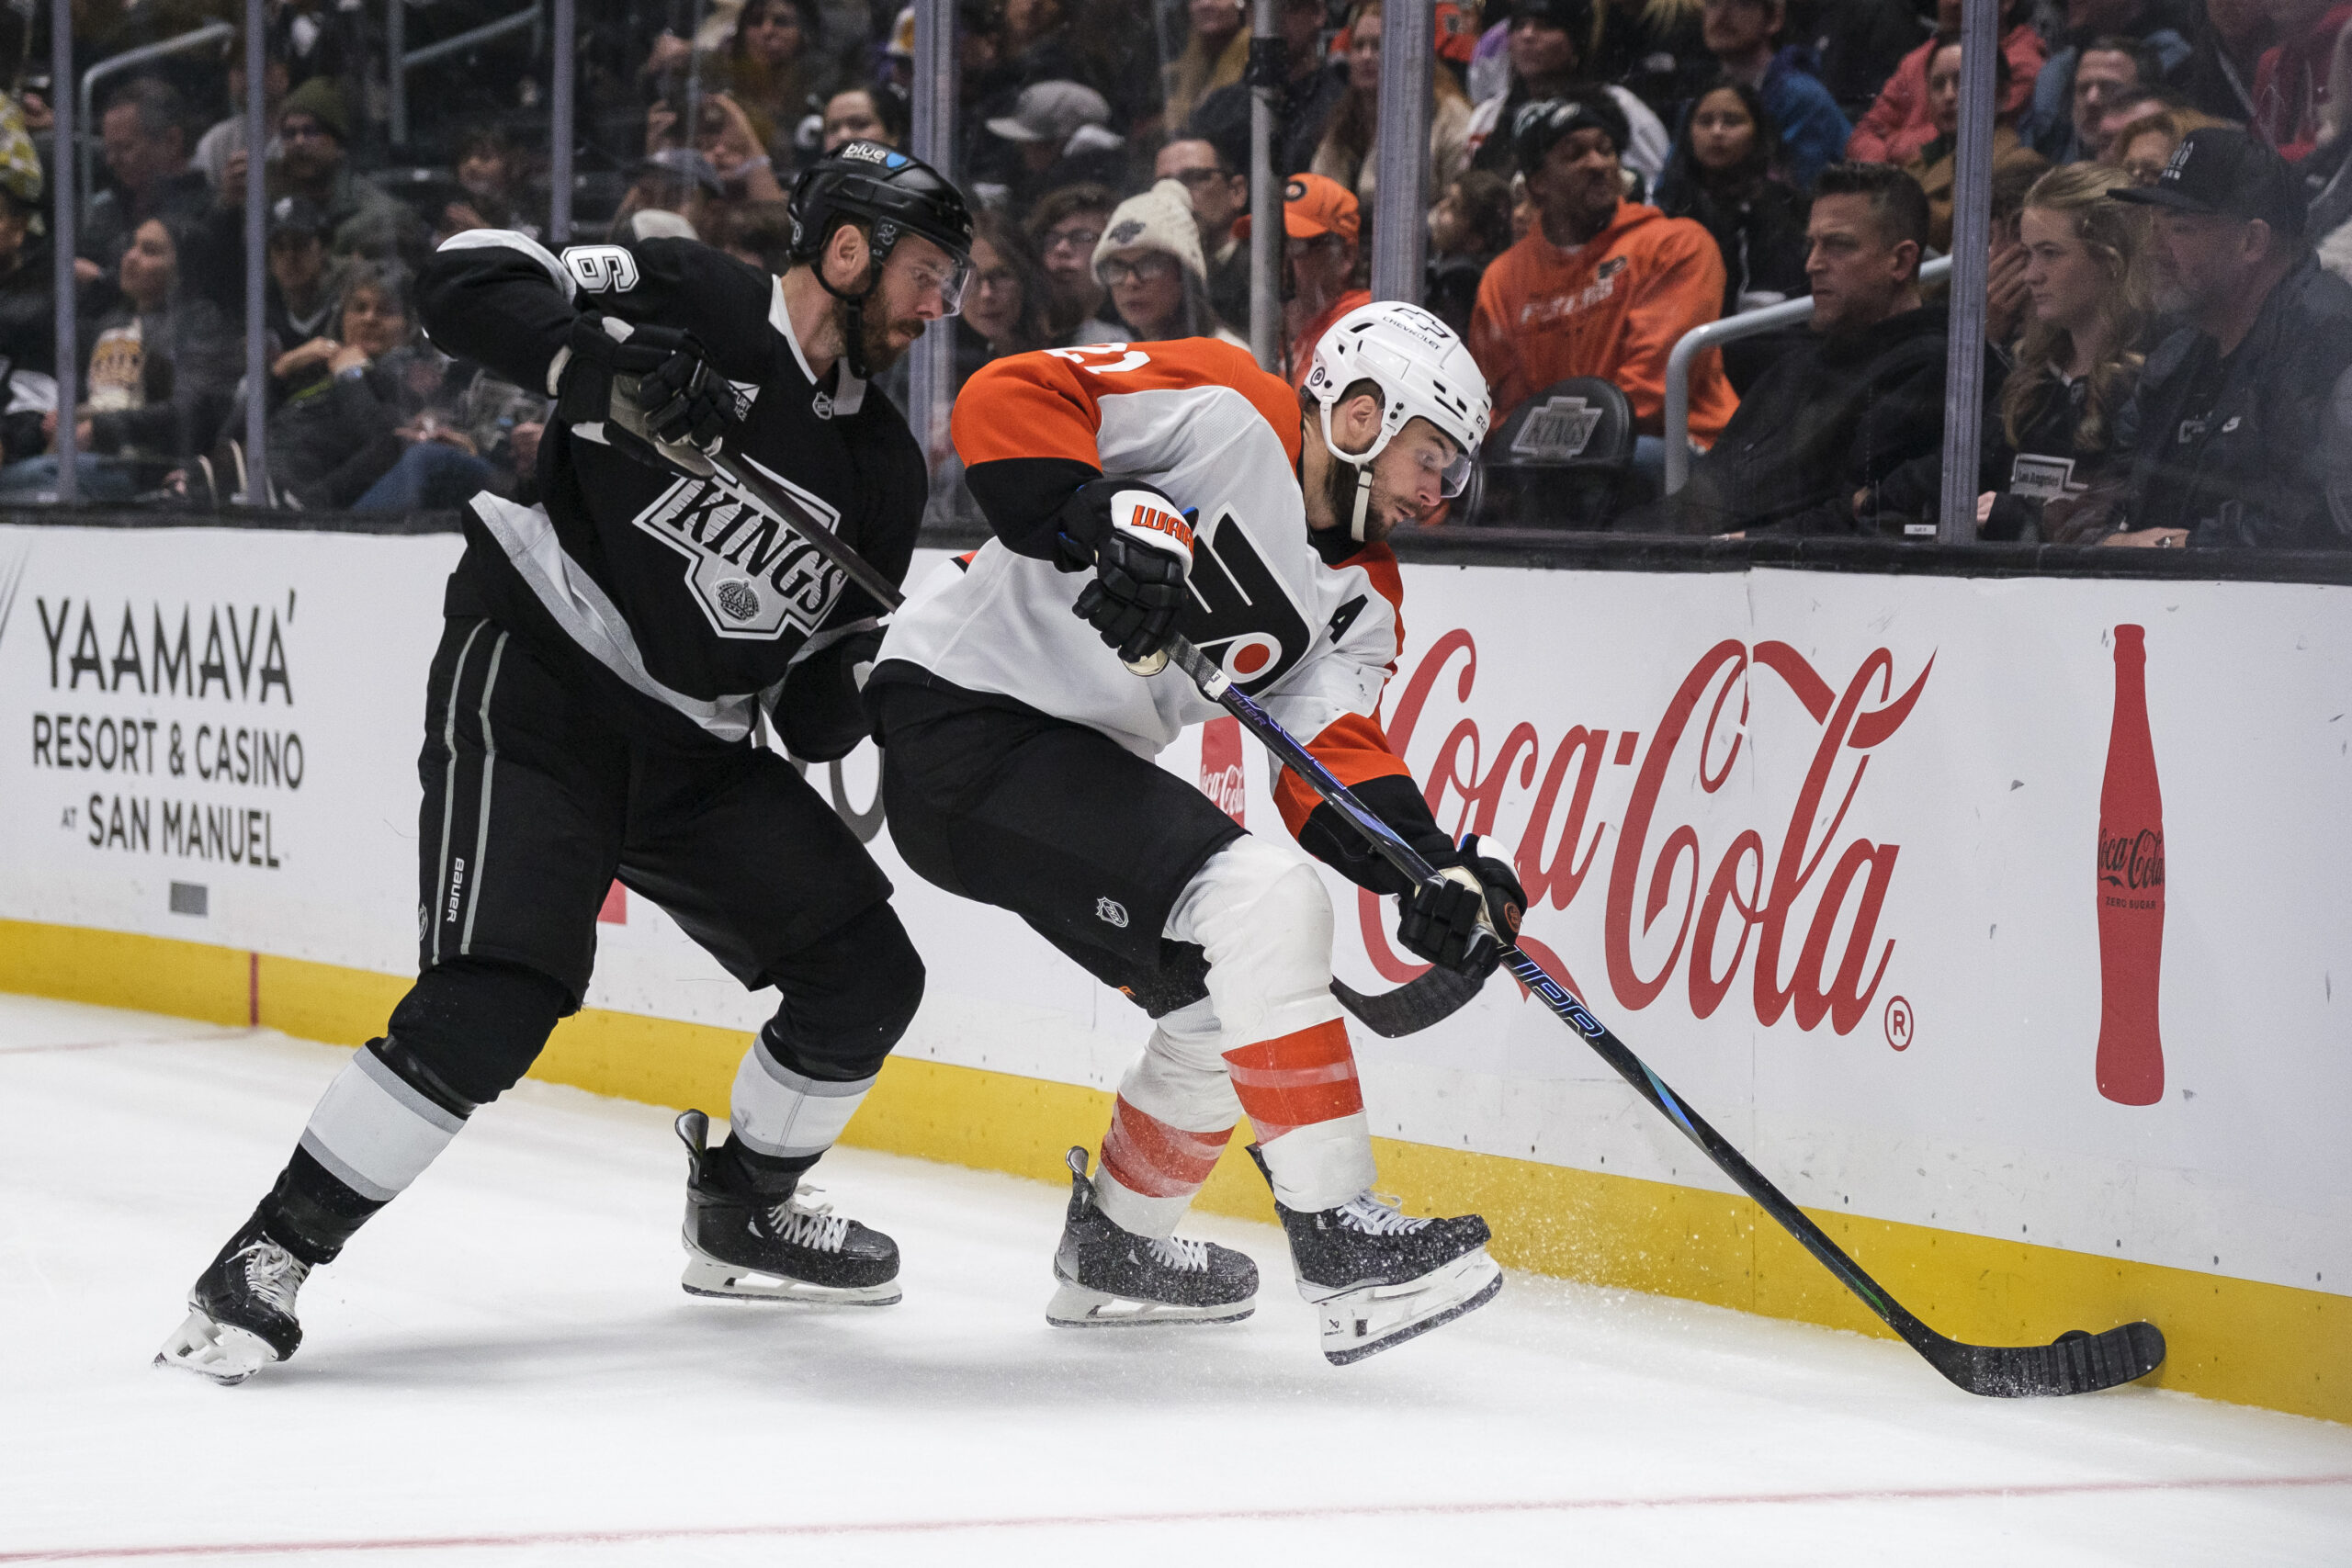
point(1149, 259)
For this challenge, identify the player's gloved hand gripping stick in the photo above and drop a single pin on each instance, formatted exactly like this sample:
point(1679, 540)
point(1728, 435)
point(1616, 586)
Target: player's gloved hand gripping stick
point(2077, 1363)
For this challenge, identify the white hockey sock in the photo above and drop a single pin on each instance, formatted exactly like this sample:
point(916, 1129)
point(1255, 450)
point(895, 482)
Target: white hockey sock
point(374, 1132)
point(788, 1115)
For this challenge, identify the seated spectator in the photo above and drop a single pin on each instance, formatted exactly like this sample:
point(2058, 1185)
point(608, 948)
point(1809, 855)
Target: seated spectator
point(226, 139)
point(299, 298)
point(1060, 133)
point(143, 131)
point(1859, 46)
point(1066, 225)
point(1655, 49)
point(1149, 262)
point(28, 319)
point(2050, 450)
point(758, 233)
point(1862, 395)
point(1213, 57)
point(1547, 63)
point(1899, 122)
point(1721, 177)
point(2227, 45)
point(2111, 45)
point(1744, 37)
point(1601, 285)
point(161, 368)
point(1469, 227)
point(2290, 84)
point(2143, 150)
point(735, 143)
point(1004, 310)
point(2230, 434)
point(1304, 105)
point(1219, 196)
point(1349, 150)
point(1320, 225)
point(772, 64)
point(864, 113)
point(494, 180)
point(314, 126)
point(1936, 166)
point(673, 190)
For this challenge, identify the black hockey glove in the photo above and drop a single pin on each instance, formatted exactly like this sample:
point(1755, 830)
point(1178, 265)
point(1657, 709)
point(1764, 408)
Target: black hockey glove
point(1142, 553)
point(653, 380)
point(1453, 922)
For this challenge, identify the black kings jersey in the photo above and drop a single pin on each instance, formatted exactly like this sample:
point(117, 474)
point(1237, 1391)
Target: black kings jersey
point(679, 598)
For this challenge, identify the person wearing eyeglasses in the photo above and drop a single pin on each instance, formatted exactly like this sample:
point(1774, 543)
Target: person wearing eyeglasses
point(1219, 196)
point(313, 125)
point(1148, 262)
point(1320, 222)
point(1065, 226)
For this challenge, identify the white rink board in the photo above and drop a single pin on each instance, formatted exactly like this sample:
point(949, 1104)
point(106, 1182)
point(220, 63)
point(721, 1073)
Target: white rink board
point(1987, 1120)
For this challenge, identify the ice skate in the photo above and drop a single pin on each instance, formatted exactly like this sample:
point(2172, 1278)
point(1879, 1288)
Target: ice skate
point(1378, 1278)
point(240, 1311)
point(754, 1247)
point(1112, 1277)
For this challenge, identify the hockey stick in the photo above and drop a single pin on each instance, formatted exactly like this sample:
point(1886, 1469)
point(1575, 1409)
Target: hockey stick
point(2077, 1362)
point(1421, 1002)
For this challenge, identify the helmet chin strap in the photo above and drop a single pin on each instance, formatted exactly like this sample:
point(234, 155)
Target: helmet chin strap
point(1362, 464)
point(1363, 501)
point(853, 350)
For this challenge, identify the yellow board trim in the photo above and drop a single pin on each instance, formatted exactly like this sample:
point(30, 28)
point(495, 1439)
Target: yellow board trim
point(2240, 1340)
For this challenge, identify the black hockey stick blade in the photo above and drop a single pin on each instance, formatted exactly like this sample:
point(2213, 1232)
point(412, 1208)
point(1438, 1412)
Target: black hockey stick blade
point(2077, 1362)
point(1426, 1000)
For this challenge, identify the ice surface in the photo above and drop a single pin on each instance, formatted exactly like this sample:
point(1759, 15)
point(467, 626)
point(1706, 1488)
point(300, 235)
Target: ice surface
point(503, 1371)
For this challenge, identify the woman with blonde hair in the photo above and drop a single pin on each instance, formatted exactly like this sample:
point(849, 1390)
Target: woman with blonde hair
point(1347, 154)
point(2048, 459)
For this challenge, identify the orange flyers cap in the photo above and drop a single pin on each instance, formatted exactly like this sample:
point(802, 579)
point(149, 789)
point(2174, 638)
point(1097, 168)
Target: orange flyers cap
point(1313, 206)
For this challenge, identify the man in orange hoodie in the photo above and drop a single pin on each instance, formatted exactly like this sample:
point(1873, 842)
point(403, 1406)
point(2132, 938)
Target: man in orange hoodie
point(1600, 286)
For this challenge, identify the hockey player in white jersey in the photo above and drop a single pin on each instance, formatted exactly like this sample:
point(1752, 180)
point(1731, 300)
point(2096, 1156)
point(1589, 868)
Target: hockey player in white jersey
point(1134, 492)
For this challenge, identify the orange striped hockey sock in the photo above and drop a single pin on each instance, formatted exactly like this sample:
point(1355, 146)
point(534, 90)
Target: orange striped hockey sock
point(1303, 1098)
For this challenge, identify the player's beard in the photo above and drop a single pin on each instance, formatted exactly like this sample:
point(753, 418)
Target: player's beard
point(875, 336)
point(1379, 514)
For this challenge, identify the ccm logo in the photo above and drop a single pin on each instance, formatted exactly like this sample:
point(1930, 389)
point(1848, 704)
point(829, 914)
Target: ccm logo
point(1160, 521)
point(602, 269)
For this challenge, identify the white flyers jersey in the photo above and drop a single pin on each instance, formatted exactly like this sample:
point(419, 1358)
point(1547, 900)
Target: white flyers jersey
point(1196, 419)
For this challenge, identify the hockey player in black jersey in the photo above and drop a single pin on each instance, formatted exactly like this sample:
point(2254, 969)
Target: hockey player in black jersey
point(591, 714)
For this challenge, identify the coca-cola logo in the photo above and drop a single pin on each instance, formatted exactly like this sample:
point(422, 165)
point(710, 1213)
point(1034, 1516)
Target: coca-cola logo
point(2135, 860)
point(1676, 902)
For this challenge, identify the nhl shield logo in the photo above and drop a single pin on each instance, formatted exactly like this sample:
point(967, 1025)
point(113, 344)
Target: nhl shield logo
point(1111, 912)
point(754, 577)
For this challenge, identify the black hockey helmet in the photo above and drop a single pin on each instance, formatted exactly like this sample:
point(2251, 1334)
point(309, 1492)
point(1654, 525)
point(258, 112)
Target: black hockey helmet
point(881, 187)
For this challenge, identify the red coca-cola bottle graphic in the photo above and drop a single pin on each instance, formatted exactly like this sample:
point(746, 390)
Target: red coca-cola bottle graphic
point(1221, 765)
point(2130, 890)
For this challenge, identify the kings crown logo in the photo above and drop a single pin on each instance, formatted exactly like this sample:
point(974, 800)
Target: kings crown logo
point(754, 577)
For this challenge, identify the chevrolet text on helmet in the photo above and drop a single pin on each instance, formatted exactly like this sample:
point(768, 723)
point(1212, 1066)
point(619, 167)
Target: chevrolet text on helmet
point(1422, 370)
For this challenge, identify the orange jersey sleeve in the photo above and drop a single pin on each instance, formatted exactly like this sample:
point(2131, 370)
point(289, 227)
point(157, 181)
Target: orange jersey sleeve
point(1048, 403)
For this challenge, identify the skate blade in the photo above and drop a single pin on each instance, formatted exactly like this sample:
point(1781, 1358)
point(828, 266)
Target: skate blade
point(1372, 1318)
point(707, 1275)
point(1075, 1306)
point(227, 1356)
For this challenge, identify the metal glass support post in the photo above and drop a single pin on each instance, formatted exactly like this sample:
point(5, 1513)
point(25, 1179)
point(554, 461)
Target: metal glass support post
point(564, 70)
point(1971, 234)
point(1269, 67)
point(931, 378)
point(1406, 57)
point(69, 372)
point(257, 486)
point(396, 70)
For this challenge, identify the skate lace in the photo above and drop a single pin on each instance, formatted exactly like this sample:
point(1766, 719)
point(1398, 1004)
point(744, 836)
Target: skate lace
point(274, 1274)
point(1377, 1214)
point(1177, 1252)
point(813, 1226)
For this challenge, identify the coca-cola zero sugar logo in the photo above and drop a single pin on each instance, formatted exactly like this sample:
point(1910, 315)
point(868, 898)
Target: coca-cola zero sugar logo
point(1674, 902)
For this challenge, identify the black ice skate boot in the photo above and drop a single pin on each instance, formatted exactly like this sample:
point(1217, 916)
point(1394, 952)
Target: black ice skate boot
point(241, 1310)
point(1112, 1277)
point(773, 1247)
point(1377, 1278)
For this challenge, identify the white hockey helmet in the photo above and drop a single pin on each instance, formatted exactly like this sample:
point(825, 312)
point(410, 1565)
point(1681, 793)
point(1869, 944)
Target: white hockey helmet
point(1421, 369)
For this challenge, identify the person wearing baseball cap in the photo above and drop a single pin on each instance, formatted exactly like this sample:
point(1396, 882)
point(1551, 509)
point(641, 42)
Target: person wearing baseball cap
point(1320, 224)
point(1547, 42)
point(1060, 131)
point(2234, 413)
point(1600, 286)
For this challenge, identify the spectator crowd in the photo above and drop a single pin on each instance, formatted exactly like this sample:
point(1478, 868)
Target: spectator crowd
point(2166, 320)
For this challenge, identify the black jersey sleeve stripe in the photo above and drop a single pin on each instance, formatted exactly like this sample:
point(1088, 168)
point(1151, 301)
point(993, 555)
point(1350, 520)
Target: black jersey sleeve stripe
point(1023, 499)
point(500, 300)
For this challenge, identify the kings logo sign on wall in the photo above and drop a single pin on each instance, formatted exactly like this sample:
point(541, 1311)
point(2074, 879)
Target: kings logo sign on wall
point(1793, 898)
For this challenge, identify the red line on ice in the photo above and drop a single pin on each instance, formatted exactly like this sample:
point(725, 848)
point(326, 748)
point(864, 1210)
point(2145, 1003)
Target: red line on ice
point(1230, 1516)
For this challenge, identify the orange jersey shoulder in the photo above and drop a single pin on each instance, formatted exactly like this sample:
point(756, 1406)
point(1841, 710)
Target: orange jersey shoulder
point(1048, 403)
